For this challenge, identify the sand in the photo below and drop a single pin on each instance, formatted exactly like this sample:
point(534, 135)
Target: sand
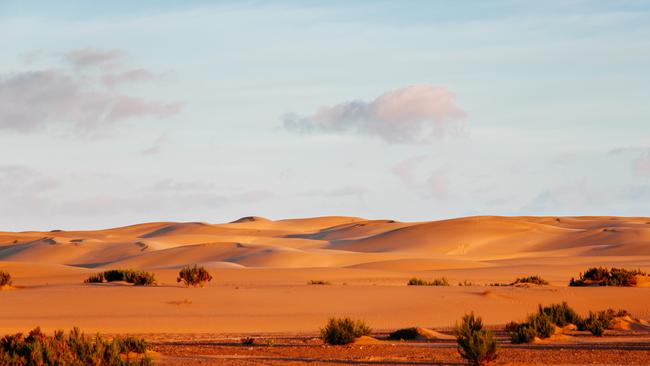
point(261, 269)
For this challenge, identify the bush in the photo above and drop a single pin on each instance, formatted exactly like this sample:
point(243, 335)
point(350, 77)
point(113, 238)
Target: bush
point(74, 349)
point(343, 331)
point(475, 344)
point(318, 282)
point(542, 324)
point(601, 276)
point(405, 334)
point(420, 282)
point(596, 323)
point(96, 278)
point(138, 278)
point(561, 314)
point(194, 276)
point(5, 279)
point(522, 333)
point(536, 280)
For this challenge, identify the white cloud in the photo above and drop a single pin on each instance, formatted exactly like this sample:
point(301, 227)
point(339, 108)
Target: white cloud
point(33, 100)
point(415, 114)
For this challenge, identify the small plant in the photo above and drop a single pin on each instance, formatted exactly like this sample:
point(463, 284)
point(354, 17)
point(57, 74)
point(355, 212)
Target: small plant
point(475, 344)
point(248, 341)
point(542, 324)
point(596, 323)
point(561, 314)
point(343, 331)
point(5, 279)
point(536, 280)
point(405, 334)
point(318, 282)
point(465, 283)
point(436, 282)
point(521, 333)
point(194, 276)
point(144, 279)
point(602, 276)
point(96, 278)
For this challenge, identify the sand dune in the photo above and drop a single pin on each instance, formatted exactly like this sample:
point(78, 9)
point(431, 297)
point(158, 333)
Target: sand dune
point(334, 242)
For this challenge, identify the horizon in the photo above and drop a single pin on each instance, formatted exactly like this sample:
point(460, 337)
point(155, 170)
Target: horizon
point(123, 113)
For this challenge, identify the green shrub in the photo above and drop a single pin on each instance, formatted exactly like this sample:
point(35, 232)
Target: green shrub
point(405, 334)
point(5, 279)
point(561, 314)
point(343, 331)
point(143, 279)
point(73, 349)
point(138, 278)
point(194, 276)
point(596, 323)
point(536, 280)
point(542, 324)
point(436, 282)
point(522, 333)
point(602, 276)
point(318, 282)
point(96, 278)
point(475, 344)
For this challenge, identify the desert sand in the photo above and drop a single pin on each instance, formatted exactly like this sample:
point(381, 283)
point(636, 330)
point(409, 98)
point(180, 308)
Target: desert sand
point(261, 269)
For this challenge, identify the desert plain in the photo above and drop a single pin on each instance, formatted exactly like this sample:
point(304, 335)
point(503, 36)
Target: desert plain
point(262, 267)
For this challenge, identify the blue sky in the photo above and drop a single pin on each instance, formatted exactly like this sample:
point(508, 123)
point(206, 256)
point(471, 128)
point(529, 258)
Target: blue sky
point(120, 112)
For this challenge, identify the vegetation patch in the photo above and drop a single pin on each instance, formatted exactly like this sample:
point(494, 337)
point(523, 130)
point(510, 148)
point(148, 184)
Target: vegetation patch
point(74, 349)
point(406, 334)
point(535, 280)
point(5, 279)
point(436, 282)
point(542, 324)
point(138, 278)
point(598, 322)
point(318, 282)
point(194, 276)
point(602, 276)
point(340, 331)
point(475, 344)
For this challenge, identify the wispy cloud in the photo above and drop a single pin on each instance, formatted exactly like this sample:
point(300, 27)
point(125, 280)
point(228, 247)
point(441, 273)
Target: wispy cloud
point(642, 165)
point(414, 114)
point(84, 101)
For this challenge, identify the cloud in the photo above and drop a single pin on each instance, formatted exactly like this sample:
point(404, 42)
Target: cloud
point(32, 100)
point(406, 170)
point(415, 114)
point(90, 57)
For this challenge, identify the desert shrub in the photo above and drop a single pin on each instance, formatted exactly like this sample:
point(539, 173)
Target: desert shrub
point(602, 276)
point(536, 280)
point(405, 334)
point(96, 278)
point(522, 333)
point(343, 331)
point(596, 323)
point(318, 282)
point(561, 314)
point(143, 279)
point(436, 282)
point(138, 278)
point(542, 324)
point(5, 279)
point(475, 344)
point(194, 276)
point(248, 341)
point(539, 325)
point(466, 283)
point(74, 349)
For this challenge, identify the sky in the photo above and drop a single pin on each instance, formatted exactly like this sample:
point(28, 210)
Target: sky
point(122, 112)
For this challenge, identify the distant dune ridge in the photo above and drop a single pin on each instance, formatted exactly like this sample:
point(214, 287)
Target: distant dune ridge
point(333, 241)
